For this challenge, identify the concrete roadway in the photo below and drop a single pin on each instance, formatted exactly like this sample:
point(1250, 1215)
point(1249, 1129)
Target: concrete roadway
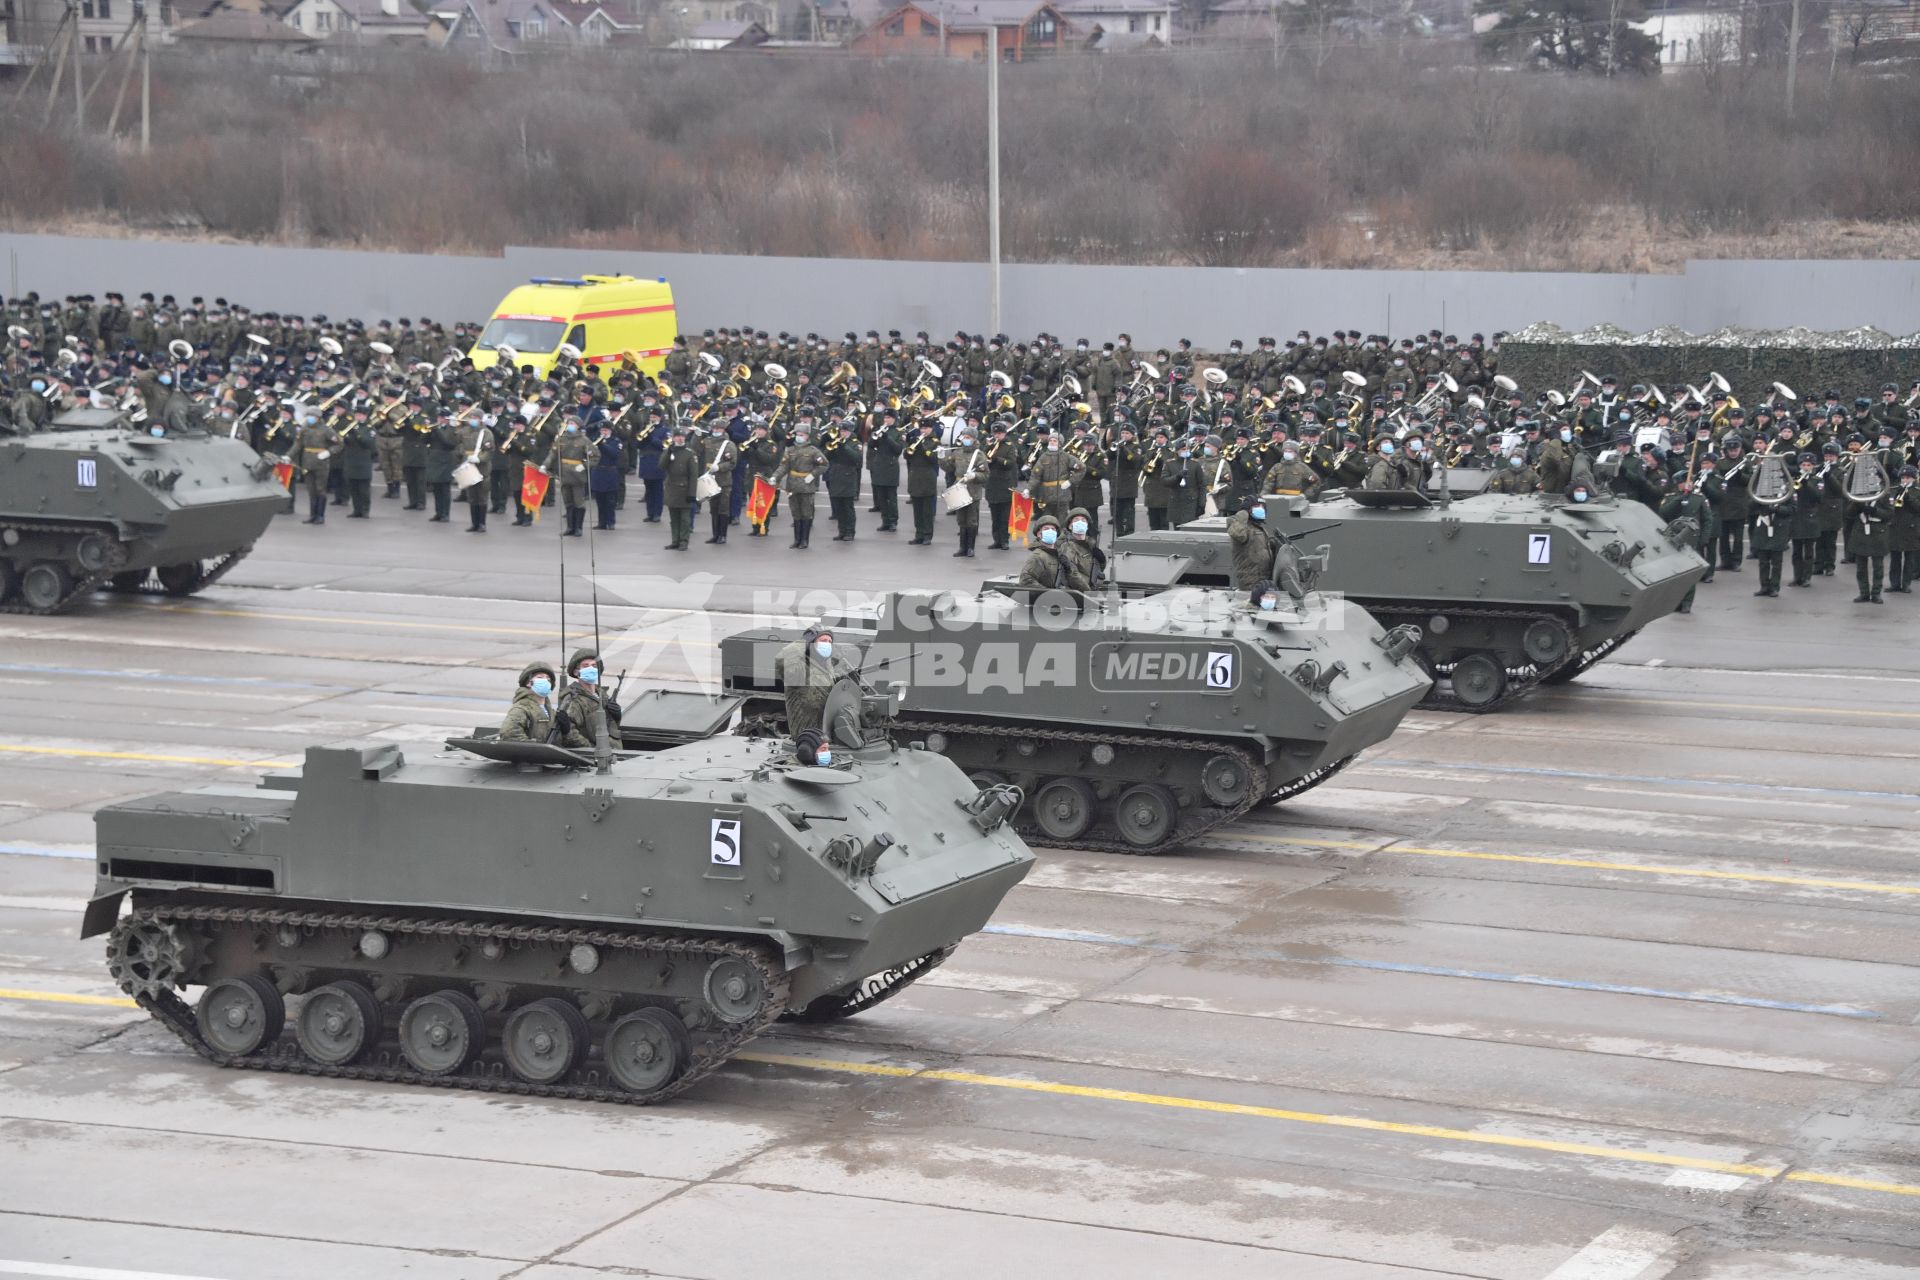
point(1616, 985)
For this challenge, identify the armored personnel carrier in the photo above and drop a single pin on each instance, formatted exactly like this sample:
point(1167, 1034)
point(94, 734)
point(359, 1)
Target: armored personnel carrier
point(521, 918)
point(1131, 725)
point(98, 500)
point(1509, 591)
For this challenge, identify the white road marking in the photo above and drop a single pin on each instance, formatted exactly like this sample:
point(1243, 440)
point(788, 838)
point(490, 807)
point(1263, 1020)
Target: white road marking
point(1704, 1180)
point(1618, 1253)
point(42, 904)
point(65, 1272)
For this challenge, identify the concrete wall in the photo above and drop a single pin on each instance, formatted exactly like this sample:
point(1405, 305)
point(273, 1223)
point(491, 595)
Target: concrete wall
point(1155, 304)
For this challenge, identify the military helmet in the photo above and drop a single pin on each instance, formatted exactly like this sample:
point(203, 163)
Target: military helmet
point(532, 669)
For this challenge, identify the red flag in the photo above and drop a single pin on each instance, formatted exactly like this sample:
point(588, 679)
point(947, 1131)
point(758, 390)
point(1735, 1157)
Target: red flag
point(760, 500)
point(1020, 518)
point(533, 489)
point(283, 474)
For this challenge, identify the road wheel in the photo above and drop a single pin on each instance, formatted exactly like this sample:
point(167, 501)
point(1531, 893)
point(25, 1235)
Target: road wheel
point(442, 1032)
point(544, 1041)
point(1063, 808)
point(338, 1024)
point(647, 1050)
point(1145, 815)
point(180, 579)
point(1478, 680)
point(45, 585)
point(238, 1016)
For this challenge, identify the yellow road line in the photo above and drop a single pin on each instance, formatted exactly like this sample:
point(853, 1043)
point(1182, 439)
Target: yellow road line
point(1762, 706)
point(1590, 864)
point(80, 753)
point(1057, 1088)
point(61, 997)
point(545, 633)
point(1052, 1087)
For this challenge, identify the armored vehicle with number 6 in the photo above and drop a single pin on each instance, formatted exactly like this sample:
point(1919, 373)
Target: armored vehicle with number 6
point(98, 500)
point(1131, 725)
point(518, 917)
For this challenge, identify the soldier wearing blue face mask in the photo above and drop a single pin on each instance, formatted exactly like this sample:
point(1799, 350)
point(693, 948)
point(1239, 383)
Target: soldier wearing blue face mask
point(1046, 567)
point(530, 718)
point(584, 703)
point(808, 669)
point(1252, 543)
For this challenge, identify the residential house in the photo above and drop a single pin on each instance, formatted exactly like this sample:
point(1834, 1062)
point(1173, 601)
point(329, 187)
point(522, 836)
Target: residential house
point(591, 23)
point(501, 26)
point(1114, 18)
point(1886, 27)
point(707, 37)
point(1015, 29)
point(102, 22)
point(1692, 33)
point(394, 22)
point(239, 29)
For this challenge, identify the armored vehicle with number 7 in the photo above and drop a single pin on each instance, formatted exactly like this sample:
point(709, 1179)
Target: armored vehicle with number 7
point(1508, 591)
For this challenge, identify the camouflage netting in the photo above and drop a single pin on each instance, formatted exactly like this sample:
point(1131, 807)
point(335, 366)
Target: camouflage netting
point(1853, 362)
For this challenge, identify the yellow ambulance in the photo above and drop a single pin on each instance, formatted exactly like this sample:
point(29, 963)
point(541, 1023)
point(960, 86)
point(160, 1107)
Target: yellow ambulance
point(603, 317)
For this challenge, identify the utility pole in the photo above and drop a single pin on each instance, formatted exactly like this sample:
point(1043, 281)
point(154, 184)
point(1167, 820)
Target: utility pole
point(146, 90)
point(79, 93)
point(993, 176)
point(1793, 55)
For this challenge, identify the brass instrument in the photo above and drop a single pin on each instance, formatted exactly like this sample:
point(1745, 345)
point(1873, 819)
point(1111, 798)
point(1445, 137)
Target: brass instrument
point(841, 373)
point(928, 369)
point(1559, 399)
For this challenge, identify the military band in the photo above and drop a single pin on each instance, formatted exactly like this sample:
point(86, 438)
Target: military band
point(1081, 434)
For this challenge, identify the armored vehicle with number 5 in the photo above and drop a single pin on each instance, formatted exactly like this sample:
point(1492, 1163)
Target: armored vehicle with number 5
point(98, 500)
point(1131, 725)
point(517, 917)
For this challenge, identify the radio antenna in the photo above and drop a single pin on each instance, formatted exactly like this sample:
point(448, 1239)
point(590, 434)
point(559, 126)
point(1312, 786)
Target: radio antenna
point(603, 748)
point(563, 597)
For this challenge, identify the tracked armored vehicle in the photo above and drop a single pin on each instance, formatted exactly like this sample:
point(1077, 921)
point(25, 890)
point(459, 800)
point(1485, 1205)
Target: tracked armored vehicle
point(98, 501)
point(1132, 726)
point(1509, 591)
point(515, 917)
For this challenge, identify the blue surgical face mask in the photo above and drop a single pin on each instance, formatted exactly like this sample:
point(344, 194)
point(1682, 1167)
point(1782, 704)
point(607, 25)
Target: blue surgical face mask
point(1566, 435)
point(1258, 513)
point(156, 431)
point(166, 379)
point(1269, 602)
point(589, 675)
point(823, 757)
point(1078, 526)
point(1579, 495)
point(541, 686)
point(824, 648)
point(1515, 461)
point(1386, 450)
point(1049, 536)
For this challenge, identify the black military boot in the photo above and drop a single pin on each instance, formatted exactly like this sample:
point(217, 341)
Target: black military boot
point(806, 534)
point(393, 488)
point(719, 526)
point(798, 528)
